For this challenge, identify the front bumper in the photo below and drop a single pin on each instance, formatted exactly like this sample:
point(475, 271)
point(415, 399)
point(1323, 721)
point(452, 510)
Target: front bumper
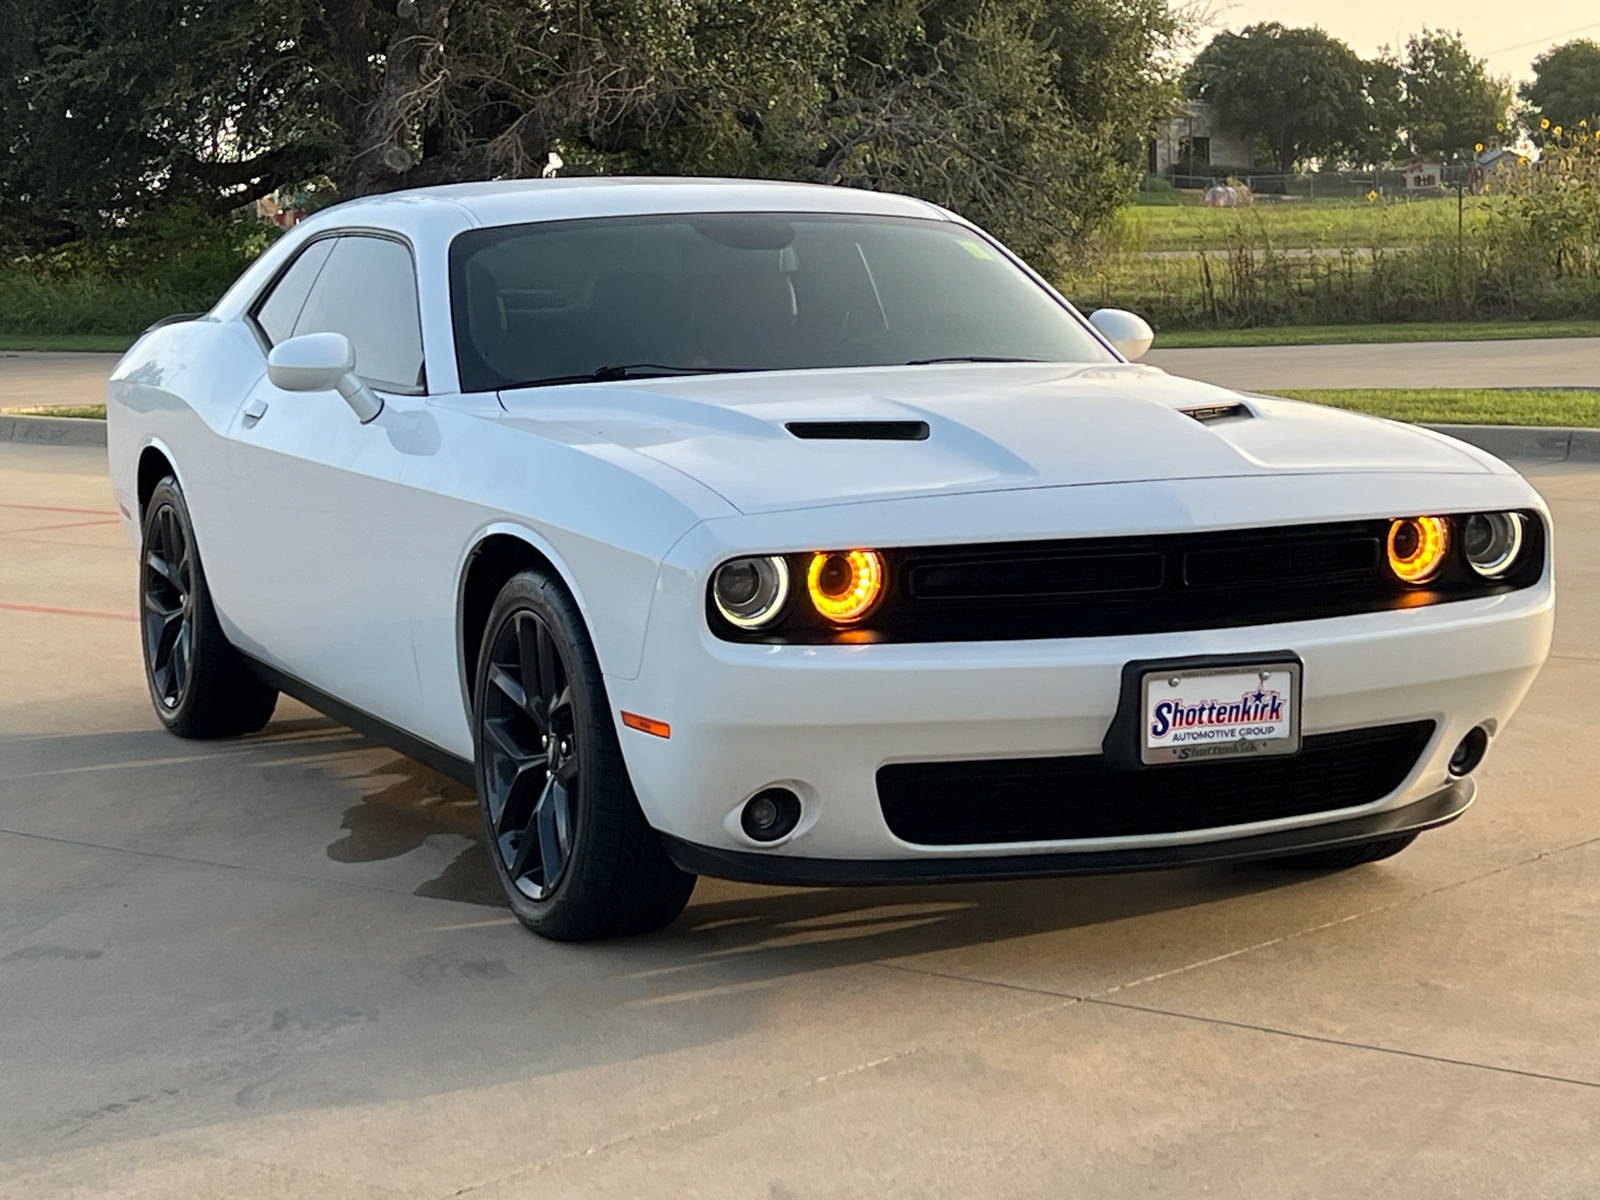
point(821, 720)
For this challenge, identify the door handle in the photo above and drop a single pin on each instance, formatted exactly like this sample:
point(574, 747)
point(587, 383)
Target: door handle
point(254, 411)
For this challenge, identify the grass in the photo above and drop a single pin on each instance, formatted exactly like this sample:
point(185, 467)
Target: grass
point(113, 342)
point(86, 412)
point(1463, 406)
point(1296, 225)
point(1416, 331)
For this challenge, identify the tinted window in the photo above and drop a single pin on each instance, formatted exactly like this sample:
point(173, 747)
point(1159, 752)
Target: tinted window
point(281, 309)
point(367, 290)
point(537, 303)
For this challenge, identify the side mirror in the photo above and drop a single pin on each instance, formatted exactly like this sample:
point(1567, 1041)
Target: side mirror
point(1127, 332)
point(322, 362)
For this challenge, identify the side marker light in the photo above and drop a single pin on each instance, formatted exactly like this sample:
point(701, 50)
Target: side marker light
point(648, 725)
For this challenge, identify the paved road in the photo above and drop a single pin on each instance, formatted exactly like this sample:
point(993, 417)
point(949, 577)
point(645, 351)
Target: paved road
point(277, 966)
point(33, 379)
point(1532, 362)
point(28, 378)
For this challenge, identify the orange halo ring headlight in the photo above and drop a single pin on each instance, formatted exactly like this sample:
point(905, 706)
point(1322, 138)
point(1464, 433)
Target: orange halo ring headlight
point(845, 584)
point(1417, 547)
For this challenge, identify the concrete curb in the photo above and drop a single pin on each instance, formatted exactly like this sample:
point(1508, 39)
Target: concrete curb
point(53, 431)
point(1548, 443)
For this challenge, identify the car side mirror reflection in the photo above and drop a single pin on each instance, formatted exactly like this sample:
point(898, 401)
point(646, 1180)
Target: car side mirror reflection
point(1129, 334)
point(322, 362)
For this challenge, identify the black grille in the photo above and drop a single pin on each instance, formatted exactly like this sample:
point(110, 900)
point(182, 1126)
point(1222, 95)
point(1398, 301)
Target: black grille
point(1096, 587)
point(1059, 799)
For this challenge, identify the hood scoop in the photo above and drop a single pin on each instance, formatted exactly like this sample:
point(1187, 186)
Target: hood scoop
point(859, 431)
point(1206, 413)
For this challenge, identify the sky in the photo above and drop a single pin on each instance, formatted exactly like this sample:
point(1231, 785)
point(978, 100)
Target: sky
point(1502, 31)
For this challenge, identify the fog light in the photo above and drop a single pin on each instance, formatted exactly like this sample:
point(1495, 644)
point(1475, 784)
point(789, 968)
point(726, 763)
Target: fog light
point(770, 814)
point(845, 584)
point(1417, 547)
point(1469, 753)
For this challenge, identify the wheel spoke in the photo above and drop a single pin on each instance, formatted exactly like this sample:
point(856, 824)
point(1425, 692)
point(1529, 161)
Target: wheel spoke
point(552, 819)
point(164, 569)
point(509, 747)
point(180, 659)
point(529, 855)
point(512, 689)
point(516, 813)
point(550, 673)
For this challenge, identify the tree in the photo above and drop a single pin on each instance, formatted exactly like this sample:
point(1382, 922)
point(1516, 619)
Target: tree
point(1028, 114)
point(1565, 88)
point(1385, 116)
point(1302, 90)
point(1450, 102)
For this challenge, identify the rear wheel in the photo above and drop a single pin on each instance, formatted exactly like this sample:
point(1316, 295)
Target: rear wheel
point(568, 841)
point(1339, 858)
point(200, 685)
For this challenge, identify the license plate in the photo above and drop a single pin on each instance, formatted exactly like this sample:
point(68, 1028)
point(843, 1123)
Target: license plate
point(1210, 714)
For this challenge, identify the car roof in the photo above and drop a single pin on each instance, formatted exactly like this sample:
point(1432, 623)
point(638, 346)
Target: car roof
point(514, 201)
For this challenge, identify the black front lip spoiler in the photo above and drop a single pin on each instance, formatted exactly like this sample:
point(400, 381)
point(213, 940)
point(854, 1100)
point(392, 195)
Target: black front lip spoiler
point(746, 866)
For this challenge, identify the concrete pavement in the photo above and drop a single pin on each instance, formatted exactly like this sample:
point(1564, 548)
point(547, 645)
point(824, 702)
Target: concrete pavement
point(1531, 362)
point(31, 378)
point(277, 966)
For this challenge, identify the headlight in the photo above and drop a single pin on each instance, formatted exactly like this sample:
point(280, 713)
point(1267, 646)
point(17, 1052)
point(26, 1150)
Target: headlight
point(750, 592)
point(1417, 547)
point(1492, 542)
point(845, 584)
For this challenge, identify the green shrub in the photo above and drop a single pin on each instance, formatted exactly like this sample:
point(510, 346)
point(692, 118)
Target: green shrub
point(179, 261)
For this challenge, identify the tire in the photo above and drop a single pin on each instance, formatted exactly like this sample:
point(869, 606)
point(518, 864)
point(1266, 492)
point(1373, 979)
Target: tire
point(200, 685)
point(1340, 858)
point(574, 855)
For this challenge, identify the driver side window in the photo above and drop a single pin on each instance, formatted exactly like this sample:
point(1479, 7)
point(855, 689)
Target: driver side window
point(364, 287)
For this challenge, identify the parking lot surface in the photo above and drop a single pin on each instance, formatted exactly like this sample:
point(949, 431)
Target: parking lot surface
point(277, 966)
point(1519, 363)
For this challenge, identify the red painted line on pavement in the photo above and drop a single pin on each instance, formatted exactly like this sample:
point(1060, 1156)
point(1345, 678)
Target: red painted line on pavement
point(68, 612)
point(64, 525)
point(93, 512)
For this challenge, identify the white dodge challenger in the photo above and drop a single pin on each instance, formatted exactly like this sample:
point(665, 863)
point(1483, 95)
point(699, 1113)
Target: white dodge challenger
point(803, 535)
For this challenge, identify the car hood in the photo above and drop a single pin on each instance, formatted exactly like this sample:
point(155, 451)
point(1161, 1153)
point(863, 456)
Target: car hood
point(991, 427)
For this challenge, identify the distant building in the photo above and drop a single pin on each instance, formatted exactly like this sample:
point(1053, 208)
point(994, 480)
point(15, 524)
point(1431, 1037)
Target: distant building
point(1490, 166)
point(1419, 178)
point(1195, 143)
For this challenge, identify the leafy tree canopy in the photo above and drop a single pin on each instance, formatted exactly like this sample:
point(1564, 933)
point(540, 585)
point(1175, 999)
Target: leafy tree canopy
point(1307, 93)
point(1027, 115)
point(1565, 88)
point(1449, 102)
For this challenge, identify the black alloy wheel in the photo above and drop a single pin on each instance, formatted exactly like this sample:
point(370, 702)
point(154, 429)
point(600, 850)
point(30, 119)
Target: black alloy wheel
point(530, 755)
point(167, 587)
point(200, 685)
point(569, 844)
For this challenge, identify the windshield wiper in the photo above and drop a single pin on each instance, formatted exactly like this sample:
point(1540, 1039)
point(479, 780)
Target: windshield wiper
point(628, 371)
point(973, 358)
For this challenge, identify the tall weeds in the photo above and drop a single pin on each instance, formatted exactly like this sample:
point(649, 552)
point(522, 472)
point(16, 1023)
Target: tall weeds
point(1531, 251)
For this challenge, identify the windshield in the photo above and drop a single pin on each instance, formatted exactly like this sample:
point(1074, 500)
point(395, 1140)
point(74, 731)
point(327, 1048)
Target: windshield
point(627, 297)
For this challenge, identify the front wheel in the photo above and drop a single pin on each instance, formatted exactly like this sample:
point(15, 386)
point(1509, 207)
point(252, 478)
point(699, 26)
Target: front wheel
point(200, 685)
point(571, 848)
